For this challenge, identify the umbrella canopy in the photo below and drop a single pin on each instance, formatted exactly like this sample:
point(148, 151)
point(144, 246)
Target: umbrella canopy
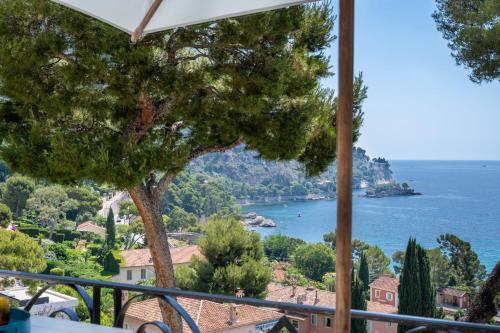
point(138, 17)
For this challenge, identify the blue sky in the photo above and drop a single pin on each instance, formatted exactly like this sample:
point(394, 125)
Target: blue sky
point(420, 104)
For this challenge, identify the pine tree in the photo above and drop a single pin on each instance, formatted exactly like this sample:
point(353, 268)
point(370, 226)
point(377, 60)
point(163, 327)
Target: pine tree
point(409, 285)
point(428, 293)
point(110, 230)
point(363, 272)
point(358, 301)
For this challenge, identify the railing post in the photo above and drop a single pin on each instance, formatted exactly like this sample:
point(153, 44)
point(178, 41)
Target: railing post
point(344, 166)
point(96, 300)
point(117, 297)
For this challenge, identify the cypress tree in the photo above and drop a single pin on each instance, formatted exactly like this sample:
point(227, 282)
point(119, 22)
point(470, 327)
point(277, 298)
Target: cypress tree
point(363, 272)
point(409, 285)
point(110, 229)
point(358, 301)
point(428, 294)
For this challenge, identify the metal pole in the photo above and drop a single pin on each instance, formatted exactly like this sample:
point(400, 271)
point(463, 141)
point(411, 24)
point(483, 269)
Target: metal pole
point(344, 166)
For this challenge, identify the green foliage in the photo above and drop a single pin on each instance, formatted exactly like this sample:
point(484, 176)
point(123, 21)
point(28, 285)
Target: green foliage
point(111, 262)
point(110, 230)
point(186, 278)
point(329, 280)
point(428, 292)
point(440, 274)
point(464, 265)
point(358, 301)
point(4, 171)
point(17, 191)
point(472, 29)
point(5, 215)
point(279, 247)
point(199, 194)
point(57, 271)
point(33, 231)
point(363, 271)
point(410, 299)
point(19, 252)
point(314, 260)
point(153, 100)
point(330, 239)
point(377, 261)
point(128, 210)
point(88, 202)
point(398, 259)
point(417, 294)
point(358, 247)
point(234, 260)
point(180, 220)
point(50, 205)
point(131, 234)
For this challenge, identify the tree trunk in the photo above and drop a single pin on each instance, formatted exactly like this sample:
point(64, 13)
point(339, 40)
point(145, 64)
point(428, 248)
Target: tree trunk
point(483, 306)
point(148, 203)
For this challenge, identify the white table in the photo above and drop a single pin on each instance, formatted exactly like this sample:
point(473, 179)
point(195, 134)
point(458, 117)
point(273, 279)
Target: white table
point(51, 325)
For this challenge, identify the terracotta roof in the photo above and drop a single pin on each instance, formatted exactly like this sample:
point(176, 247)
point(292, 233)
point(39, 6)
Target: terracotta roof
point(325, 298)
point(209, 316)
point(451, 292)
point(91, 227)
point(386, 283)
point(142, 257)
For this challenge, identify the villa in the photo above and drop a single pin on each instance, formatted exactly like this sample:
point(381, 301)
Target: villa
point(384, 290)
point(318, 323)
point(138, 265)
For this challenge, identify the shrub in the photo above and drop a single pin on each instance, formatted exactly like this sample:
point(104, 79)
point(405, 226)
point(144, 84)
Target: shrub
point(57, 271)
point(5, 215)
point(58, 237)
point(112, 262)
point(31, 231)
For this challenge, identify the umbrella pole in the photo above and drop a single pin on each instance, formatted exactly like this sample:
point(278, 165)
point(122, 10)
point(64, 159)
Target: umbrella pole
point(149, 15)
point(344, 167)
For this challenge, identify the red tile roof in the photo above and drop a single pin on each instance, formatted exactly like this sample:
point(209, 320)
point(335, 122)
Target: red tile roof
point(91, 227)
point(451, 292)
point(209, 316)
point(142, 257)
point(305, 295)
point(386, 283)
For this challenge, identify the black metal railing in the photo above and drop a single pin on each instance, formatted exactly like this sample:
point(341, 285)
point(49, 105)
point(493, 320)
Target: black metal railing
point(93, 305)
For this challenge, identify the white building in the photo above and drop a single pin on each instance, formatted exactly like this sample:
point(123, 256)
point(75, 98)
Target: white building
point(138, 265)
point(48, 302)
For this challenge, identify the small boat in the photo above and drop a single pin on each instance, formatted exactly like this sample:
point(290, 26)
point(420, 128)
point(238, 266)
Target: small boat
point(299, 215)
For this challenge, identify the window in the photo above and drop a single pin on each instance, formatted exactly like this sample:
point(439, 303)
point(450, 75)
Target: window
point(314, 319)
point(295, 324)
point(143, 273)
point(389, 296)
point(377, 293)
point(369, 326)
point(388, 324)
point(327, 322)
point(129, 275)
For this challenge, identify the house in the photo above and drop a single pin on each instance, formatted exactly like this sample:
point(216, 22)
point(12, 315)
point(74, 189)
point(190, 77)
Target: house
point(318, 323)
point(138, 265)
point(447, 297)
point(384, 290)
point(91, 227)
point(209, 316)
point(48, 302)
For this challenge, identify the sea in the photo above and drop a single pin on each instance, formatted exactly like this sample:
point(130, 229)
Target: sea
point(458, 197)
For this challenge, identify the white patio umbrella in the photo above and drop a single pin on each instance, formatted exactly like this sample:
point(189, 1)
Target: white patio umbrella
point(139, 17)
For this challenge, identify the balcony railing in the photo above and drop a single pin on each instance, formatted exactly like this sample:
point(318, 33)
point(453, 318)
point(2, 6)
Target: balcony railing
point(93, 305)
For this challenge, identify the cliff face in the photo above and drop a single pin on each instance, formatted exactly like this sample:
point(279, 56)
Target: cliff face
point(246, 176)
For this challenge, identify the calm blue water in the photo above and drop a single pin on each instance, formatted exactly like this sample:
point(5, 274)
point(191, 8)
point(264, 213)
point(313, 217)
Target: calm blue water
point(459, 197)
